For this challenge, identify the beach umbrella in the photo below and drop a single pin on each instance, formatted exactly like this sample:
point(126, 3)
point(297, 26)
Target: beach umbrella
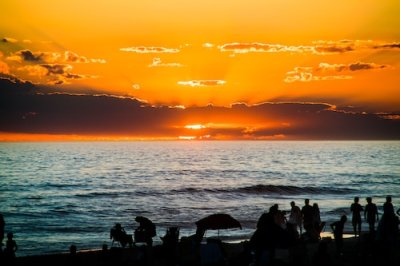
point(218, 221)
point(143, 221)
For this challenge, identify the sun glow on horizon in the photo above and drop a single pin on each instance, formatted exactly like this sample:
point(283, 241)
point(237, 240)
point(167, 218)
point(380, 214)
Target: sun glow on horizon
point(195, 126)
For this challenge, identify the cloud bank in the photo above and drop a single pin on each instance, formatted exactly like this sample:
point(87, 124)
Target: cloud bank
point(23, 110)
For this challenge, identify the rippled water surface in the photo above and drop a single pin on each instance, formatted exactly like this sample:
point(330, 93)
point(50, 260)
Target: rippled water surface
point(56, 194)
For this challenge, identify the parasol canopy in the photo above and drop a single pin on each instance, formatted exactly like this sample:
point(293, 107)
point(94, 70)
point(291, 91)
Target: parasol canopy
point(218, 221)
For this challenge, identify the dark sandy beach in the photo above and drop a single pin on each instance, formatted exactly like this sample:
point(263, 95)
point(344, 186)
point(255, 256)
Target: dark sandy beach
point(356, 251)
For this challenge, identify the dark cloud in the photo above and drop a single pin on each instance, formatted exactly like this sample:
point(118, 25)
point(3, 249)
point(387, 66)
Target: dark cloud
point(27, 55)
point(56, 69)
point(365, 66)
point(58, 113)
point(388, 46)
point(9, 40)
point(52, 57)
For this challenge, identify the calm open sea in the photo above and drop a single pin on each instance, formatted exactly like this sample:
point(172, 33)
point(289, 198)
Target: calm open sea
point(53, 195)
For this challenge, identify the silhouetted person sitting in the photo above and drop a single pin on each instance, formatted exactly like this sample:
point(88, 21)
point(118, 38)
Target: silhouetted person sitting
point(11, 248)
point(146, 230)
point(338, 228)
point(356, 210)
point(371, 214)
point(117, 233)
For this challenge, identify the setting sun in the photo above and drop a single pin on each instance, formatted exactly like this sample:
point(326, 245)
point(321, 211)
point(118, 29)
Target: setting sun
point(195, 126)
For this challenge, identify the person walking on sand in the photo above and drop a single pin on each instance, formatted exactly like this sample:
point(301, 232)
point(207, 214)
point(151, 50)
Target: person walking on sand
point(295, 217)
point(371, 214)
point(338, 228)
point(356, 210)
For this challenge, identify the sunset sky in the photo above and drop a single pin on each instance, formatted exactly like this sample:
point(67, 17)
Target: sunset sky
point(174, 69)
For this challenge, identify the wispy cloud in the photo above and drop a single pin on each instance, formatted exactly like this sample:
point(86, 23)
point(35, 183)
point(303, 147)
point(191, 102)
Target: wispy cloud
point(349, 67)
point(256, 47)
point(326, 71)
point(208, 45)
point(201, 83)
point(9, 40)
point(305, 74)
point(149, 50)
point(158, 63)
point(51, 57)
point(53, 73)
point(320, 47)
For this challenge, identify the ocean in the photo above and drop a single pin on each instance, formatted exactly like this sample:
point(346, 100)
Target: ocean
point(56, 194)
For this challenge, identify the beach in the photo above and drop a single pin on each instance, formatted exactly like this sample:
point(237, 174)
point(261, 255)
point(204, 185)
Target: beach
point(356, 251)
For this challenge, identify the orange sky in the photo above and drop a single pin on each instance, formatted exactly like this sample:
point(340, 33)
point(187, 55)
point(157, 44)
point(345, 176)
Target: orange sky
point(196, 53)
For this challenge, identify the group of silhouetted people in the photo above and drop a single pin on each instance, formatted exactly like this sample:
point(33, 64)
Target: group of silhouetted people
point(274, 230)
point(387, 225)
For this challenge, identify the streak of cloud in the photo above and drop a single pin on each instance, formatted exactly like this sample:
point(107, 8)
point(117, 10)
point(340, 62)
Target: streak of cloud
point(149, 50)
point(158, 63)
point(202, 83)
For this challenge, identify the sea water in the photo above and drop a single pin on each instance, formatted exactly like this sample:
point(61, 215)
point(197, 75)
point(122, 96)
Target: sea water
point(56, 194)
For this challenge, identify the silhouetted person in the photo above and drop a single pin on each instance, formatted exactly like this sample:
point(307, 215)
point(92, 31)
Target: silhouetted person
point(267, 235)
point(307, 212)
point(146, 228)
point(11, 248)
point(356, 210)
point(295, 216)
point(371, 214)
point(73, 258)
point(170, 245)
point(322, 256)
point(117, 233)
point(338, 228)
point(388, 225)
point(2, 225)
point(316, 220)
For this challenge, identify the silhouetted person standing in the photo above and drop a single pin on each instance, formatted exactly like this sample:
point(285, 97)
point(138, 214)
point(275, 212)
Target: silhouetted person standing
point(388, 226)
point(295, 216)
point(316, 217)
point(2, 225)
point(307, 212)
point(338, 228)
point(371, 214)
point(11, 248)
point(356, 210)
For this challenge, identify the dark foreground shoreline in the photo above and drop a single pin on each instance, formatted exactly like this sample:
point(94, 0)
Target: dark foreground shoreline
point(356, 251)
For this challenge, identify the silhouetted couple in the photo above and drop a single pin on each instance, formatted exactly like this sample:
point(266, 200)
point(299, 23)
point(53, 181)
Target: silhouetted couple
point(312, 220)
